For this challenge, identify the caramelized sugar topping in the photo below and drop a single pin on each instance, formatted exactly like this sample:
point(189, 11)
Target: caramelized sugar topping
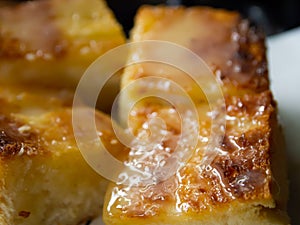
point(17, 138)
point(231, 47)
point(240, 171)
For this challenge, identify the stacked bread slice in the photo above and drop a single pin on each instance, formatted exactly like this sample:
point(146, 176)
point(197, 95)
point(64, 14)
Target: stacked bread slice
point(53, 42)
point(245, 183)
point(45, 47)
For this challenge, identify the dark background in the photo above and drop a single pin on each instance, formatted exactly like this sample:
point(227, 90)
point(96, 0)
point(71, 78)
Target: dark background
point(273, 16)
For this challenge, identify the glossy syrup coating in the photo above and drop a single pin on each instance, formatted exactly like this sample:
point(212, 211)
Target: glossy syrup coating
point(240, 186)
point(240, 171)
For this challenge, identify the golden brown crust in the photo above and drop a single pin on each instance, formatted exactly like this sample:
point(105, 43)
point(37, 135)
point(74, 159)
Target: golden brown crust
point(55, 40)
point(249, 155)
point(20, 35)
point(52, 29)
point(41, 167)
point(16, 139)
point(240, 173)
point(250, 59)
point(240, 178)
point(33, 120)
point(232, 47)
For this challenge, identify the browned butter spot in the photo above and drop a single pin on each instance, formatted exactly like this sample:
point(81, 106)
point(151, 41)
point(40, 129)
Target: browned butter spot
point(24, 214)
point(14, 141)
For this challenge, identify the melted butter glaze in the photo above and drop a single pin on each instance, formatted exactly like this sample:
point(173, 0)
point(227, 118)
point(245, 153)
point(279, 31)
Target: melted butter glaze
point(240, 171)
